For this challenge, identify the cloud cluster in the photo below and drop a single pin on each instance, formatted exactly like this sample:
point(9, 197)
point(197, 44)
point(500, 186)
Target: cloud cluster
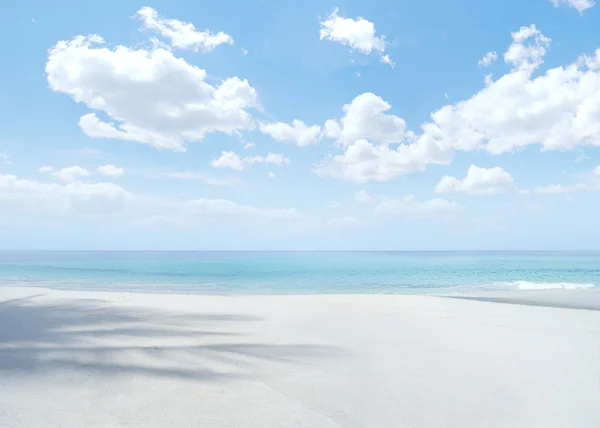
point(75, 195)
point(579, 5)
point(233, 161)
point(148, 96)
point(556, 110)
point(298, 132)
point(479, 181)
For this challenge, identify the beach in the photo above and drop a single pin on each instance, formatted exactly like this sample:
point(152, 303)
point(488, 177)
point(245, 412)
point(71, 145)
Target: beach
point(109, 359)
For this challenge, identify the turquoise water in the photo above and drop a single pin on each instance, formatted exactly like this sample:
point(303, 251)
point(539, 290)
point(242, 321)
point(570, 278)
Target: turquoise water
point(300, 272)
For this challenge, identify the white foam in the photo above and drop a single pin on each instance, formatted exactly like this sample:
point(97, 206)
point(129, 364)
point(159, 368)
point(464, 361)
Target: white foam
point(528, 285)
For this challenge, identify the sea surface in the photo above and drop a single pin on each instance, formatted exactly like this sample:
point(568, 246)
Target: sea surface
point(299, 272)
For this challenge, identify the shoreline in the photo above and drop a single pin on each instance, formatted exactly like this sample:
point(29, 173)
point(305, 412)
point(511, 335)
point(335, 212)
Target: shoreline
point(584, 299)
point(96, 359)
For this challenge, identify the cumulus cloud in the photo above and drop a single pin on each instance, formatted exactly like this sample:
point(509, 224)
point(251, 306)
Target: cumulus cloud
point(344, 222)
point(556, 110)
point(596, 170)
point(69, 174)
point(233, 161)
point(72, 196)
point(488, 59)
point(182, 35)
point(363, 197)
point(365, 118)
point(363, 161)
point(148, 96)
point(579, 5)
point(410, 206)
point(479, 181)
point(358, 34)
point(298, 132)
point(111, 171)
point(222, 207)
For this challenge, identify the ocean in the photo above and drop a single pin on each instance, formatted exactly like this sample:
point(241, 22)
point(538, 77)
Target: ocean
point(299, 272)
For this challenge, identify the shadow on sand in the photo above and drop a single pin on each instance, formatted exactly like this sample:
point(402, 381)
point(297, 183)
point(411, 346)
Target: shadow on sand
point(93, 336)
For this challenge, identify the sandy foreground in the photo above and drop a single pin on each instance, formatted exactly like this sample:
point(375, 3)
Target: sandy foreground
point(90, 359)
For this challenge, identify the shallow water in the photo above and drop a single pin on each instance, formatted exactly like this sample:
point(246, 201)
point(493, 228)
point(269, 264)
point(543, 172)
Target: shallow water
point(300, 272)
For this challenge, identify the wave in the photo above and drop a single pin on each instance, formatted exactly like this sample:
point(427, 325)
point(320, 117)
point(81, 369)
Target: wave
point(528, 285)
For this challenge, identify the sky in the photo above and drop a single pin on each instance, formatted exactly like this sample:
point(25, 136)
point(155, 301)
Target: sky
point(283, 125)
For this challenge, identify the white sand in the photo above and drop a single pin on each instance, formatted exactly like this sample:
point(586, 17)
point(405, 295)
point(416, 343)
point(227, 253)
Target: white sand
point(83, 359)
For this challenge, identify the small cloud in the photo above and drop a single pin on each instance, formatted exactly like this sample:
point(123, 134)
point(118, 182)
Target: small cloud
point(446, 95)
point(387, 60)
point(582, 157)
point(488, 59)
point(358, 74)
point(244, 51)
point(46, 169)
point(34, 20)
point(5, 158)
point(333, 204)
point(271, 175)
point(110, 171)
point(249, 145)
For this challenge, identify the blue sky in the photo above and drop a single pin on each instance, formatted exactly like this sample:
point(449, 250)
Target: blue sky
point(286, 125)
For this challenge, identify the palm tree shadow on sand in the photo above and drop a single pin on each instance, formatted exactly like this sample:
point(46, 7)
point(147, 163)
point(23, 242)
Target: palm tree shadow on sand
point(90, 335)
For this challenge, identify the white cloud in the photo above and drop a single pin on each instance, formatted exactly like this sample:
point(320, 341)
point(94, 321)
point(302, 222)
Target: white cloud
point(358, 34)
point(182, 35)
point(69, 174)
point(195, 176)
point(387, 60)
point(579, 5)
point(363, 161)
point(344, 222)
point(5, 158)
point(488, 59)
point(556, 189)
point(363, 197)
point(61, 198)
point(33, 20)
point(148, 96)
point(527, 56)
point(224, 207)
point(365, 117)
point(298, 132)
point(249, 145)
point(233, 161)
point(110, 171)
point(46, 169)
point(479, 181)
point(557, 110)
point(597, 170)
point(271, 175)
point(411, 207)
point(244, 52)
